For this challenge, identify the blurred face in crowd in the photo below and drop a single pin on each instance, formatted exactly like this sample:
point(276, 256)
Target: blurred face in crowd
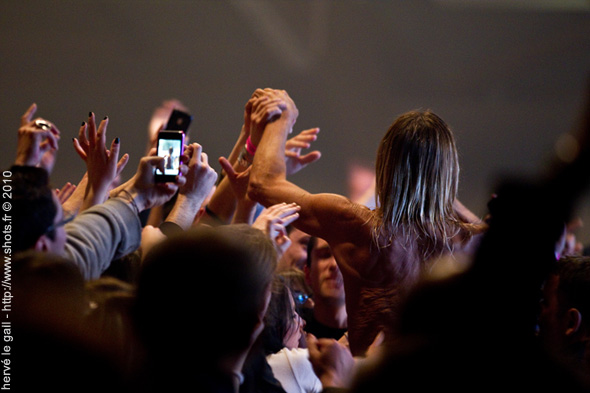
point(296, 254)
point(323, 275)
point(295, 332)
point(54, 240)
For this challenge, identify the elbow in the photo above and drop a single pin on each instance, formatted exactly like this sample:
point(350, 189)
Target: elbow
point(264, 188)
point(256, 190)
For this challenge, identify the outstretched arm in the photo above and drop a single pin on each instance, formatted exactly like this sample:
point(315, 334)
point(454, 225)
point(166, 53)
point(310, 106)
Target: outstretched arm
point(324, 215)
point(224, 202)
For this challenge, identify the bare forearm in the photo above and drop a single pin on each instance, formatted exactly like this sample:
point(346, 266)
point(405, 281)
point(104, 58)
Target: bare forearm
point(222, 204)
point(184, 211)
point(244, 212)
point(269, 162)
point(93, 197)
point(233, 157)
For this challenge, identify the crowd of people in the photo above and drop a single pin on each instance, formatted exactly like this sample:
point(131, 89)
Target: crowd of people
point(243, 281)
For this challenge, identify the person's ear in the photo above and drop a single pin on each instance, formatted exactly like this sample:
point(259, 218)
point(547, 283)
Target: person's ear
point(42, 244)
point(574, 321)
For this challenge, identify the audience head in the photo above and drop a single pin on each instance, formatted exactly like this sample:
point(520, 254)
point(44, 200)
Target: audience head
point(37, 214)
point(110, 302)
point(322, 273)
point(208, 288)
point(300, 289)
point(296, 254)
point(283, 325)
point(48, 311)
point(417, 174)
point(565, 307)
point(48, 291)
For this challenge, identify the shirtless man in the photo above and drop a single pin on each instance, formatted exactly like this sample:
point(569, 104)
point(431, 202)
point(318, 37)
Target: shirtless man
point(380, 252)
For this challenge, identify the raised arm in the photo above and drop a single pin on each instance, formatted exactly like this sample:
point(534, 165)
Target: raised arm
point(222, 205)
point(103, 164)
point(37, 141)
point(200, 179)
point(224, 202)
point(142, 192)
point(324, 215)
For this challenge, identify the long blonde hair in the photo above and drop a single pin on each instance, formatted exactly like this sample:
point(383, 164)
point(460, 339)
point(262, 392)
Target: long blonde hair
point(417, 177)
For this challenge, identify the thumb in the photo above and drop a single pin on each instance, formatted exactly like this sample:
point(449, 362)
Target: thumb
point(153, 161)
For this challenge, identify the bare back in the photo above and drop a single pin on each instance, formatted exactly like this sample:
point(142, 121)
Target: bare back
point(377, 278)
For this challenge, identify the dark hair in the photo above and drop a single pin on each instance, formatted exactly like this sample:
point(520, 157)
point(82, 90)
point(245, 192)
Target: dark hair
point(310, 246)
point(574, 282)
point(48, 289)
point(279, 316)
point(109, 318)
point(207, 285)
point(48, 311)
point(33, 206)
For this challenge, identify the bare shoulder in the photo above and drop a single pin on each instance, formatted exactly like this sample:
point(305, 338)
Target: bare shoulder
point(335, 218)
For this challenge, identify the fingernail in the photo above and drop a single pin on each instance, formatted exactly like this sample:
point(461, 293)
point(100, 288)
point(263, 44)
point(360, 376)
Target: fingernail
point(83, 123)
point(117, 140)
point(89, 114)
point(105, 118)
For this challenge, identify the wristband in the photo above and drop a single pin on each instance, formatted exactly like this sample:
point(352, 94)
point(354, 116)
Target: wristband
point(250, 147)
point(245, 158)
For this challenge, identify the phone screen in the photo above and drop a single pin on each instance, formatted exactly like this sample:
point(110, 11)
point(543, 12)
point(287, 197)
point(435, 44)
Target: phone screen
point(170, 147)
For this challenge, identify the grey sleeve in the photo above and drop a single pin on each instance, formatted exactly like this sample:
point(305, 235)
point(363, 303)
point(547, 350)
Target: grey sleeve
point(100, 234)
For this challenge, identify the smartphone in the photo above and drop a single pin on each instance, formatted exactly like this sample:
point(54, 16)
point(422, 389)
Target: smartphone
point(179, 120)
point(171, 147)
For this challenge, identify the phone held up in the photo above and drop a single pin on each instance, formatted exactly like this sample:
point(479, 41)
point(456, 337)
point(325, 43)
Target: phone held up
point(179, 120)
point(171, 145)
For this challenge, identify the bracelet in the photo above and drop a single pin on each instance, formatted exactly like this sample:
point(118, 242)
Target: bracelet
point(130, 199)
point(245, 158)
point(250, 148)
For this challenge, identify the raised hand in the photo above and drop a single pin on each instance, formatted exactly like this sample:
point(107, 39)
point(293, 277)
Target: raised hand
point(200, 177)
point(237, 180)
point(142, 191)
point(264, 107)
point(64, 193)
point(102, 164)
point(274, 220)
point(293, 159)
point(37, 141)
point(332, 361)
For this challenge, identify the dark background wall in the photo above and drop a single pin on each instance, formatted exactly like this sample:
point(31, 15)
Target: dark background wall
point(508, 76)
